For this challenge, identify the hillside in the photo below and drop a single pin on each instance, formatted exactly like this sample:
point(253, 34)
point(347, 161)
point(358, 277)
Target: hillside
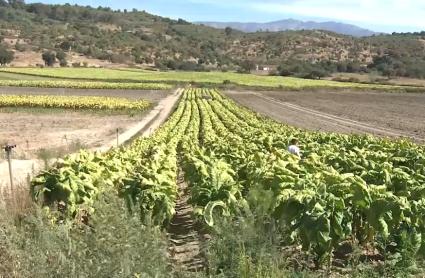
point(292, 24)
point(103, 37)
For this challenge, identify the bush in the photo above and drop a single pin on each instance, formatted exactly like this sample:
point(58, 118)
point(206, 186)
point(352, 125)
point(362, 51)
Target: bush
point(190, 66)
point(63, 63)
point(60, 55)
point(66, 45)
point(6, 56)
point(246, 66)
point(306, 69)
point(120, 58)
point(49, 58)
point(20, 47)
point(179, 65)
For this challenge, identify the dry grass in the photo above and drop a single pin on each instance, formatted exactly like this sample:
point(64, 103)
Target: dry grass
point(115, 245)
point(16, 203)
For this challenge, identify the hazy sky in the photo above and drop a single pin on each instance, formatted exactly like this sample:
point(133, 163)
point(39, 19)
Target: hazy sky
point(378, 15)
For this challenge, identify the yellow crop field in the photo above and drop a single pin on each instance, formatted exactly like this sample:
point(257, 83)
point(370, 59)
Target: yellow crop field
point(81, 84)
point(73, 102)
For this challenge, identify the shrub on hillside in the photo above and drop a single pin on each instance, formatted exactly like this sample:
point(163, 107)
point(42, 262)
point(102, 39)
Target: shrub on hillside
point(49, 58)
point(6, 56)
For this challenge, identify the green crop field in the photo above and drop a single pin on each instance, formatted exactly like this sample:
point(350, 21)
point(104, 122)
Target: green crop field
point(134, 75)
point(16, 76)
point(355, 190)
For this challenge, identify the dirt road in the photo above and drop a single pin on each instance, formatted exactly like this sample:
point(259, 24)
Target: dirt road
point(149, 123)
point(379, 113)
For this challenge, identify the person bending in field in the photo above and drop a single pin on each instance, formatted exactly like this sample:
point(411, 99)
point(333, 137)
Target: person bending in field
point(293, 147)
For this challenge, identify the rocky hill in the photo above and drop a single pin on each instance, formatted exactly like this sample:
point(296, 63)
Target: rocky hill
point(101, 36)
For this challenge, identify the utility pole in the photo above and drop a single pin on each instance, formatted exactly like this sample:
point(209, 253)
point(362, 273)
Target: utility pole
point(8, 149)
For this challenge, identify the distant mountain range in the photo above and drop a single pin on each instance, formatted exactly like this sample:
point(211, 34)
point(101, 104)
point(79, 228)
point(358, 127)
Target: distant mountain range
point(292, 24)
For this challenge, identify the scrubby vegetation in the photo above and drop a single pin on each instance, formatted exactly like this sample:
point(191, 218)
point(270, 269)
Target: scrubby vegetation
point(136, 37)
point(115, 244)
point(6, 56)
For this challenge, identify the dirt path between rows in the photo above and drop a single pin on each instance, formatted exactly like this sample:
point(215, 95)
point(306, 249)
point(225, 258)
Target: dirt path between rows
point(380, 114)
point(186, 251)
point(23, 170)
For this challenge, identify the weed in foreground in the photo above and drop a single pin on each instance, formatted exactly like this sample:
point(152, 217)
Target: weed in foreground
point(114, 244)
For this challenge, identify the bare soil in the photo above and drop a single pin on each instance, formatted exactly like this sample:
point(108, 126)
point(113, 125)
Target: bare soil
point(34, 131)
point(186, 248)
point(42, 137)
point(379, 113)
point(32, 58)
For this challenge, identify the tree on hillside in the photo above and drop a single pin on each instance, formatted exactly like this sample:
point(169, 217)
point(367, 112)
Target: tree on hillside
point(61, 56)
point(305, 69)
point(228, 31)
point(6, 56)
point(246, 66)
point(66, 45)
point(316, 73)
point(49, 58)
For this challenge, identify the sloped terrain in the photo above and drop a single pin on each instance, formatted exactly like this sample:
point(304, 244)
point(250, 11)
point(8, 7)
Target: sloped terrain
point(137, 37)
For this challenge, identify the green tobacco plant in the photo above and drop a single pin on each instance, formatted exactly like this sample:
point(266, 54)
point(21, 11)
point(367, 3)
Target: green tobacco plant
point(359, 189)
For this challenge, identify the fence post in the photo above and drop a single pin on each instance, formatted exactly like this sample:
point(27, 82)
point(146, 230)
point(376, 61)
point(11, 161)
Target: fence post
point(8, 149)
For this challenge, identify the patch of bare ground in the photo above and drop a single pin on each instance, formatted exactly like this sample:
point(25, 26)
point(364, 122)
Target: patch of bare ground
point(34, 132)
point(26, 59)
point(43, 137)
point(379, 113)
point(186, 241)
point(33, 58)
